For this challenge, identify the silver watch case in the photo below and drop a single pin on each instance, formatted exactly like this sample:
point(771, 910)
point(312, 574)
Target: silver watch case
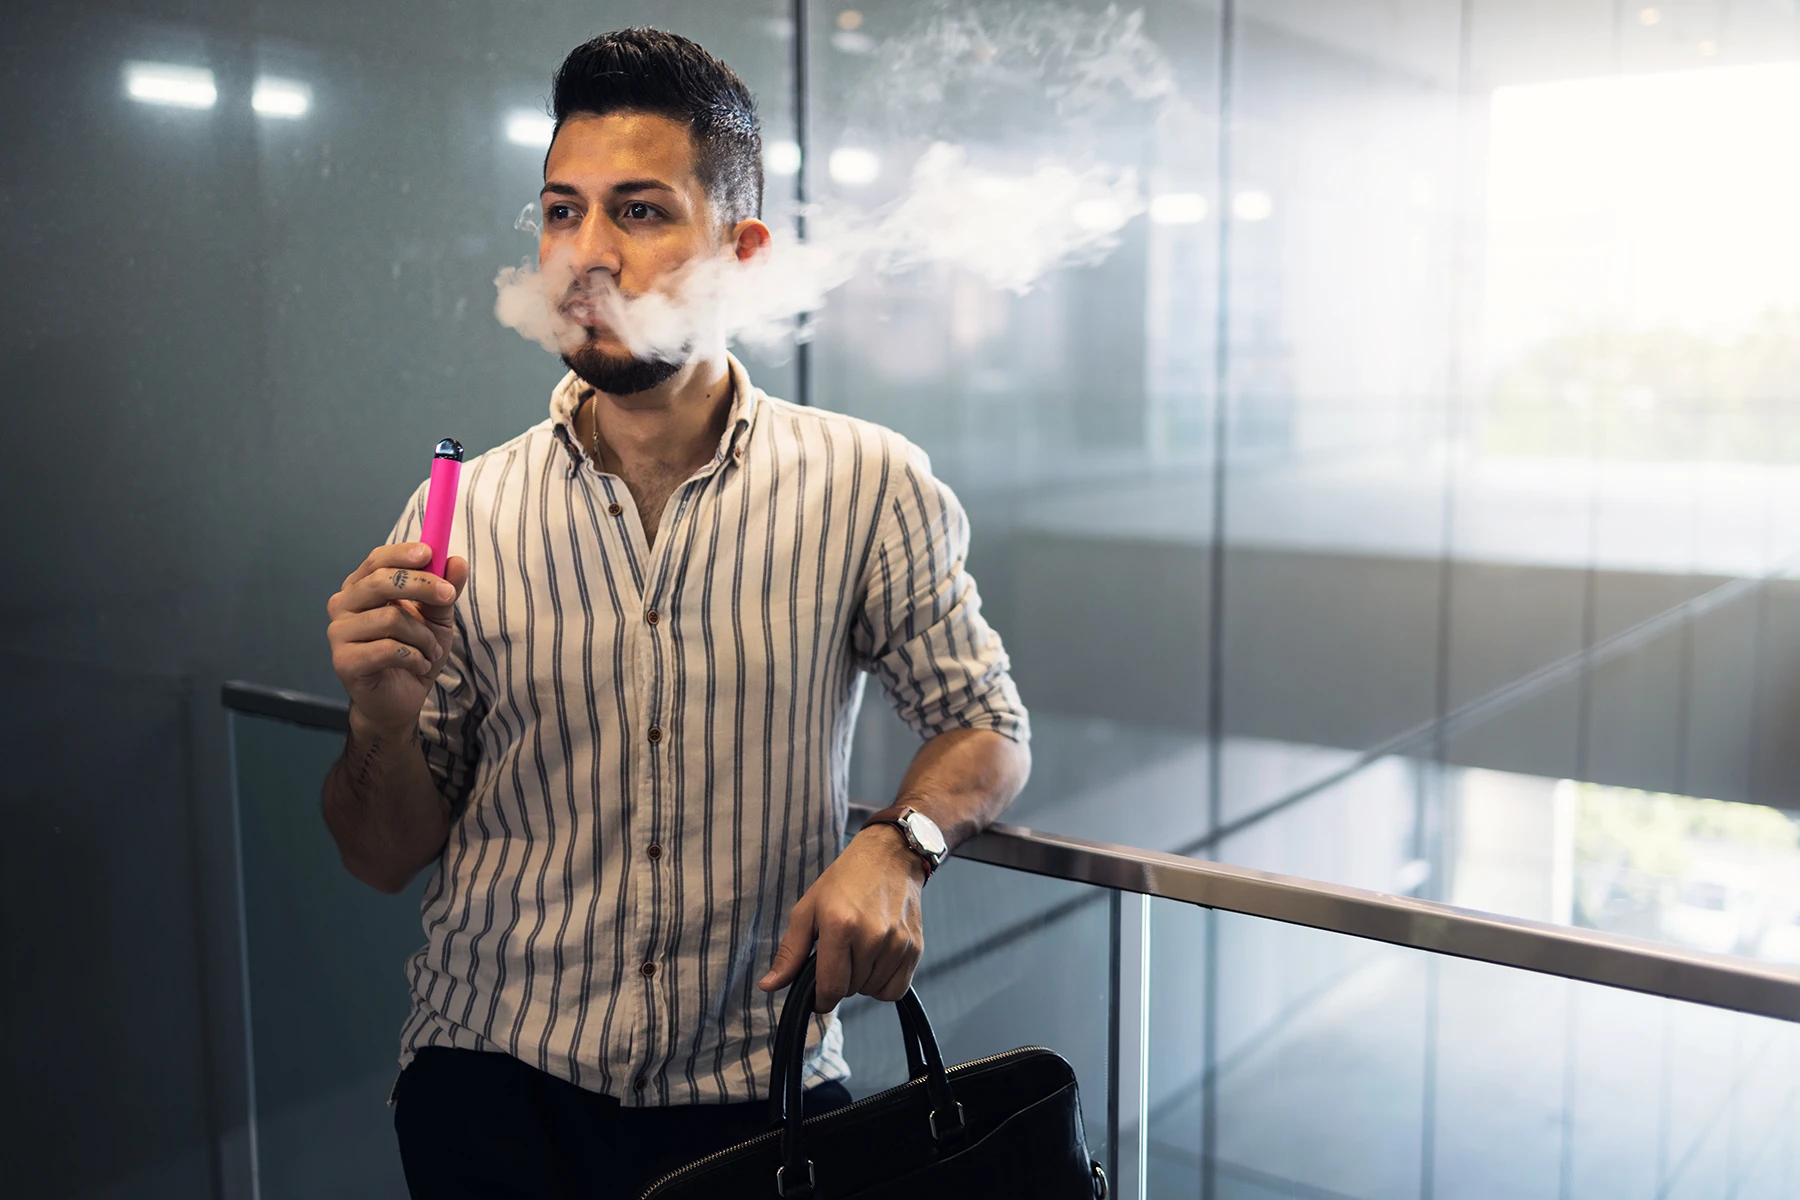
point(923, 837)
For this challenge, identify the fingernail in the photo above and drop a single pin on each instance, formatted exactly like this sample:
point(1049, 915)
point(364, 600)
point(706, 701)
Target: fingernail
point(445, 591)
point(421, 552)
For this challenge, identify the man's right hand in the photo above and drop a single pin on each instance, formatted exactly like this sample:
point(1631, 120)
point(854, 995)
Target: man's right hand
point(391, 631)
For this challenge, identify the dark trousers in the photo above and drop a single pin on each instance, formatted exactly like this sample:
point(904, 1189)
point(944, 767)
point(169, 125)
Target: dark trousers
point(475, 1124)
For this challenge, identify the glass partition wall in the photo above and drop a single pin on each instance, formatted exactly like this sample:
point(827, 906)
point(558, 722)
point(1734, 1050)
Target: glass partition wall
point(1445, 362)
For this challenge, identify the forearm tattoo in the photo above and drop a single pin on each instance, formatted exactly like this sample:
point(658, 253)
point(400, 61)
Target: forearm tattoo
point(365, 767)
point(362, 760)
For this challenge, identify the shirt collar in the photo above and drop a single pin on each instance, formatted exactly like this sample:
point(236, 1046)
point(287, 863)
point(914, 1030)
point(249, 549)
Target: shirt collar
point(746, 403)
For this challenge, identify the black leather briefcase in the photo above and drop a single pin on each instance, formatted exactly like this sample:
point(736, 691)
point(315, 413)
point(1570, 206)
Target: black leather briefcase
point(997, 1128)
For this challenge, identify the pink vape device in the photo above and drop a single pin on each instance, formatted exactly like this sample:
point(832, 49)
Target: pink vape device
point(440, 502)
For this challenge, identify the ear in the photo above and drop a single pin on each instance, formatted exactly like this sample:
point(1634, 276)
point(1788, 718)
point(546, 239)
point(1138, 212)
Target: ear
point(749, 238)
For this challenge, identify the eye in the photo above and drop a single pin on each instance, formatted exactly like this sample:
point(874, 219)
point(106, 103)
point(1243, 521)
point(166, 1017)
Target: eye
point(637, 210)
point(558, 212)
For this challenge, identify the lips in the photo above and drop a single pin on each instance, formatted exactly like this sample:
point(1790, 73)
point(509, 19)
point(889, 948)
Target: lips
point(583, 312)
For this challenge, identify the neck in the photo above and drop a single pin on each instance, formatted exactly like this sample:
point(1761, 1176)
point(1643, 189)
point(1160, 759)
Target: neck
point(678, 423)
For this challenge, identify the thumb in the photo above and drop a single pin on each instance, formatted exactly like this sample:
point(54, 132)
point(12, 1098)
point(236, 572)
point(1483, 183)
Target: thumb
point(790, 956)
point(456, 574)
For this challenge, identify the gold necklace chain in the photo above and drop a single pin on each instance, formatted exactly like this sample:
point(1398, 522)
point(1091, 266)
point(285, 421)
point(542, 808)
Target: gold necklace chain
point(592, 405)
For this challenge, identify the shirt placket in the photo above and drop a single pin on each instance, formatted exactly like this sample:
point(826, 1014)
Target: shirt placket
point(628, 1054)
point(655, 743)
point(652, 665)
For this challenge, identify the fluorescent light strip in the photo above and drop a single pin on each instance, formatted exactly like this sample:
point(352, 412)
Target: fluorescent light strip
point(280, 98)
point(170, 84)
point(781, 158)
point(1099, 216)
point(527, 128)
point(853, 166)
point(1178, 208)
point(1252, 206)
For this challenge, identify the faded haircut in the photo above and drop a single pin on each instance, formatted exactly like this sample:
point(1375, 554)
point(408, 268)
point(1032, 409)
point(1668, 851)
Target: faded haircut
point(649, 71)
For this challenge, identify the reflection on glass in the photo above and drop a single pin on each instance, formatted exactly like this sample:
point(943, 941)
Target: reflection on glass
point(853, 166)
point(781, 157)
point(1178, 208)
point(525, 127)
point(170, 84)
point(280, 98)
point(1252, 206)
point(1709, 874)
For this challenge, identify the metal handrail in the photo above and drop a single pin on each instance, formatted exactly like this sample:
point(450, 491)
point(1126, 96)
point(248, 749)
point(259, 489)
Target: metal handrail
point(1715, 980)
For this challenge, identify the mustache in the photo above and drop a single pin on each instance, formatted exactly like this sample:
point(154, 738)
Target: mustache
point(588, 299)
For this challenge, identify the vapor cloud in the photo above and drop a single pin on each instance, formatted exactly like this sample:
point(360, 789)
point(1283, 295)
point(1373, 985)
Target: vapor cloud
point(1007, 225)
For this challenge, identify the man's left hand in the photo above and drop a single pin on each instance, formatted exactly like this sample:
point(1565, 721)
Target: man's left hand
point(865, 913)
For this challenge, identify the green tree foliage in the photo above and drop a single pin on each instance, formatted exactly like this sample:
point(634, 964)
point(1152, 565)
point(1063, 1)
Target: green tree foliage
point(1662, 395)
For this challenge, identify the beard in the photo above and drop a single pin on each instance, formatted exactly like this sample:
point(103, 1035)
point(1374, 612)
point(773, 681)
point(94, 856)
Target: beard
point(618, 376)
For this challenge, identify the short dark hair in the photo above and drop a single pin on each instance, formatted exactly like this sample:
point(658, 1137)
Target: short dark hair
point(647, 70)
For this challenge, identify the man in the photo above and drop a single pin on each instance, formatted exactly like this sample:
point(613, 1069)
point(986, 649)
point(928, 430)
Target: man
point(620, 725)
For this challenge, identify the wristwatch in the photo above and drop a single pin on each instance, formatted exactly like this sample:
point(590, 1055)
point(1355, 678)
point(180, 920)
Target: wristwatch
point(922, 835)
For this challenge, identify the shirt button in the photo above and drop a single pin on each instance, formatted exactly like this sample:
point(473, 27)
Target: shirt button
point(652, 617)
point(649, 970)
point(613, 510)
point(655, 734)
point(655, 852)
point(639, 1084)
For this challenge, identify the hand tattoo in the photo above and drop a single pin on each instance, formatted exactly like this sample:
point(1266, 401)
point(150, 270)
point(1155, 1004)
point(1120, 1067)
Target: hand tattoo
point(399, 580)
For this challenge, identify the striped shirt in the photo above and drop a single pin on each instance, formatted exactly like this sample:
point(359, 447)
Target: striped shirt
point(646, 749)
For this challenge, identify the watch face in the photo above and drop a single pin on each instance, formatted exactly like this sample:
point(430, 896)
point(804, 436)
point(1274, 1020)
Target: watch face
point(926, 833)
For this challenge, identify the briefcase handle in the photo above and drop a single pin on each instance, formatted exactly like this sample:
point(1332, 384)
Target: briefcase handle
point(915, 1062)
point(795, 1178)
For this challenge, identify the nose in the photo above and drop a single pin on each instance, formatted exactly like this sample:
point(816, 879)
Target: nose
point(595, 246)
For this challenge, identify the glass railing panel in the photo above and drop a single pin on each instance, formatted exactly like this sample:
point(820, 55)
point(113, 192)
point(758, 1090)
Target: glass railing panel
point(1615, 1084)
point(1502, 1081)
point(1288, 1061)
point(1551, 1087)
point(1176, 1094)
point(325, 962)
point(1317, 1068)
point(1011, 960)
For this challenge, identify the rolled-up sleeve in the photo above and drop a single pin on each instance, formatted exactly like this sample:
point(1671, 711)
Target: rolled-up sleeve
point(920, 629)
point(453, 708)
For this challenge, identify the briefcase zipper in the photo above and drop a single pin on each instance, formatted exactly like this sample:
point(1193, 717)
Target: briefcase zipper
point(834, 1114)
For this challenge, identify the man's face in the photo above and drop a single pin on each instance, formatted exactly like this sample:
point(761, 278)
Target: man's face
point(622, 206)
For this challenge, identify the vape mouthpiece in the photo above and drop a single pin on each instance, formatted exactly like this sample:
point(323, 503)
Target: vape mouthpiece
point(449, 448)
